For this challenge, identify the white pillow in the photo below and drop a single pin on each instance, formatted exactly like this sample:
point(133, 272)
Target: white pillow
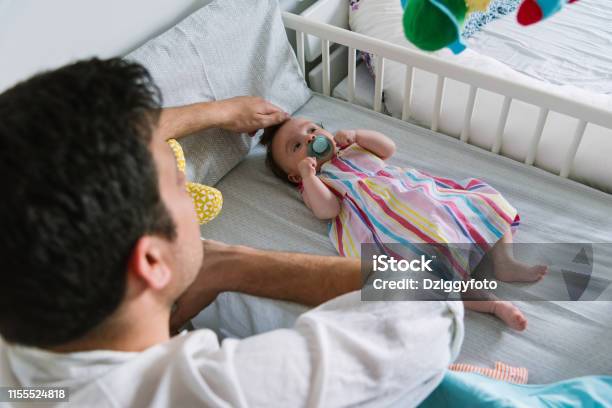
point(382, 19)
point(225, 49)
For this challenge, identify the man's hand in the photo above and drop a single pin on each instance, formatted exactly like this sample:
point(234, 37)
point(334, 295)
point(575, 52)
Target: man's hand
point(247, 114)
point(345, 137)
point(307, 167)
point(241, 114)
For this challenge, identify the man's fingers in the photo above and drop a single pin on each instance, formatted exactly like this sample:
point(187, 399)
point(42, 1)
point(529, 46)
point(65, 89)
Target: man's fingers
point(268, 107)
point(273, 118)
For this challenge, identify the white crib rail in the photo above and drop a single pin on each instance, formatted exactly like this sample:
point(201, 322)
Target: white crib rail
point(547, 101)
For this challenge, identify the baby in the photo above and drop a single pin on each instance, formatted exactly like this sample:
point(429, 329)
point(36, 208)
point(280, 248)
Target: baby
point(371, 201)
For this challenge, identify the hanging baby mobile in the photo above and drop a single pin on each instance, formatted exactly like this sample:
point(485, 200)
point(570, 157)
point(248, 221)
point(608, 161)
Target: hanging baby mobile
point(434, 24)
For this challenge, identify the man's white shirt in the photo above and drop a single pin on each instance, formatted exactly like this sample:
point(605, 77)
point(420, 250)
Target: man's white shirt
point(345, 352)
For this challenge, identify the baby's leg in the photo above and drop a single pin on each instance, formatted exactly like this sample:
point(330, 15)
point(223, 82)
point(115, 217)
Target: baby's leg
point(508, 269)
point(506, 311)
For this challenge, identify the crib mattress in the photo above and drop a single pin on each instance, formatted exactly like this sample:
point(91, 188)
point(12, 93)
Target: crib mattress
point(564, 339)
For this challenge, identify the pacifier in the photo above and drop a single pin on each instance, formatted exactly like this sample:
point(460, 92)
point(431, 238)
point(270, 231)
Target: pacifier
point(320, 148)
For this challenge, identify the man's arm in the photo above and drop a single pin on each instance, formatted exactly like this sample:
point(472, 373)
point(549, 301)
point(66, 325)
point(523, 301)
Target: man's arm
point(334, 353)
point(300, 278)
point(242, 114)
point(344, 353)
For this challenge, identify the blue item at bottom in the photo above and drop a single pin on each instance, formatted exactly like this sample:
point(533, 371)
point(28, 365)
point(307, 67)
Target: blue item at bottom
point(476, 391)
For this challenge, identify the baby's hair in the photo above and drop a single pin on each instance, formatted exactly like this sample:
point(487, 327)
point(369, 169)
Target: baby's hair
point(266, 139)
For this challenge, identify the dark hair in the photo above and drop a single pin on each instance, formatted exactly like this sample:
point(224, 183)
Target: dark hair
point(80, 188)
point(267, 138)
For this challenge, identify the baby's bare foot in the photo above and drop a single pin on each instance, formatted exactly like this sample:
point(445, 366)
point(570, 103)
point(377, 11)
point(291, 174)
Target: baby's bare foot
point(511, 270)
point(510, 314)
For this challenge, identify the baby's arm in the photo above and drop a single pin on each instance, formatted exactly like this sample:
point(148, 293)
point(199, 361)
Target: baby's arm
point(371, 140)
point(323, 203)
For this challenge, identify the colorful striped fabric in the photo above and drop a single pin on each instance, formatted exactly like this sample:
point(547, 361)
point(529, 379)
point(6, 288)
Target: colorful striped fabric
point(502, 372)
point(384, 204)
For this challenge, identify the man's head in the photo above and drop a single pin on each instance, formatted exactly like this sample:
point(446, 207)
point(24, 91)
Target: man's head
point(287, 145)
point(94, 211)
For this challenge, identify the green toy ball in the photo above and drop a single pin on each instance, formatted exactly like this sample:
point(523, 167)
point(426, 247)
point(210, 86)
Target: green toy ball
point(434, 24)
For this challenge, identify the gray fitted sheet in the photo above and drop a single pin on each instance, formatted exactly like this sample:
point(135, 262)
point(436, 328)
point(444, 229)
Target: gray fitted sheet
point(563, 339)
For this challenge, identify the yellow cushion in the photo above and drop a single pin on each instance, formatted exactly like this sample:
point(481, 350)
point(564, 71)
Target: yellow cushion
point(207, 200)
point(178, 154)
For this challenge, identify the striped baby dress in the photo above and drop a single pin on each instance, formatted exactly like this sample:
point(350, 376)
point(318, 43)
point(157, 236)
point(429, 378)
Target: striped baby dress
point(384, 204)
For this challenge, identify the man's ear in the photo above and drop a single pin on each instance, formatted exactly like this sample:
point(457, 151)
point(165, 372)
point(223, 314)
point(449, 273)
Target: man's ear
point(294, 178)
point(149, 262)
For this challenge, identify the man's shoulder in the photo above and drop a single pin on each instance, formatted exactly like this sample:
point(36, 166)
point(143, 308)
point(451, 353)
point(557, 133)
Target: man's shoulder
point(204, 338)
point(115, 378)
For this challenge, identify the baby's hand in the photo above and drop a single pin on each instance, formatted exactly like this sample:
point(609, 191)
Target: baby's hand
point(345, 137)
point(307, 167)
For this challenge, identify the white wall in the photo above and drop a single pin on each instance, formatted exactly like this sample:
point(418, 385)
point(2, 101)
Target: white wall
point(42, 34)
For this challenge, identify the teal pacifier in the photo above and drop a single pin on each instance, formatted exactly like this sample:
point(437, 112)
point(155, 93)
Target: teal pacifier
point(320, 148)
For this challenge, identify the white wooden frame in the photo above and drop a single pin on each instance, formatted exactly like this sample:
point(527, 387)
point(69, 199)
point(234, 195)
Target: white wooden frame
point(546, 101)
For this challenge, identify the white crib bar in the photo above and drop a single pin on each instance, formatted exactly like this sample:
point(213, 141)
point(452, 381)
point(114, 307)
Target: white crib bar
point(467, 117)
point(571, 153)
point(326, 68)
point(299, 39)
point(599, 115)
point(435, 118)
point(407, 93)
point(378, 86)
point(501, 125)
point(351, 73)
point(537, 135)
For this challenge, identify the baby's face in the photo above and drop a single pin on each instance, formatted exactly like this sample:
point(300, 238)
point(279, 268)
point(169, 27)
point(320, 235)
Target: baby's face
point(290, 145)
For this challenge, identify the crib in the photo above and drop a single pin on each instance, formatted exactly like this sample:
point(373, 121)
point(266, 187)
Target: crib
point(319, 27)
